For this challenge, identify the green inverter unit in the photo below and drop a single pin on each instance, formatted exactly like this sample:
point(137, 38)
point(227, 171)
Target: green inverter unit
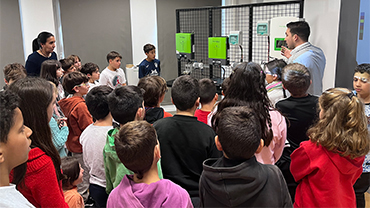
point(185, 44)
point(218, 50)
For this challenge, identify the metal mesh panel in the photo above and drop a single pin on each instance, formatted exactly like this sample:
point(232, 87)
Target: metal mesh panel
point(220, 21)
point(260, 43)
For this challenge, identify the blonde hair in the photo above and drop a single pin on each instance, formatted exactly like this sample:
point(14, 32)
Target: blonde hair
point(343, 126)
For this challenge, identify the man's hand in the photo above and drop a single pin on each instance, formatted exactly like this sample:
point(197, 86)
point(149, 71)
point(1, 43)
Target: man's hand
point(285, 52)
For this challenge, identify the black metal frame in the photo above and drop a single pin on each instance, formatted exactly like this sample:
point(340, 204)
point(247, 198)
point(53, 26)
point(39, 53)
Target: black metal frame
point(250, 35)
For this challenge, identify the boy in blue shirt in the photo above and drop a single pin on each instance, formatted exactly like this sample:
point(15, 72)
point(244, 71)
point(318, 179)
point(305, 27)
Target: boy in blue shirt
point(150, 65)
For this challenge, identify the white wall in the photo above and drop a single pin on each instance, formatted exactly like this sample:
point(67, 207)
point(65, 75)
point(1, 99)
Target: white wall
point(143, 27)
point(323, 17)
point(36, 16)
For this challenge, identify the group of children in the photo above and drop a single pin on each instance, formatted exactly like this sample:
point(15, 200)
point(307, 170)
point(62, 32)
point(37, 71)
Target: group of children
point(251, 150)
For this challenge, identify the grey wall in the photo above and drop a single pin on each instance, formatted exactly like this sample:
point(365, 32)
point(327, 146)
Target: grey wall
point(11, 42)
point(93, 28)
point(347, 43)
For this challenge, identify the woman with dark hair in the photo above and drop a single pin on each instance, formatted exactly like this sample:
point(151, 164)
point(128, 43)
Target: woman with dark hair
point(247, 88)
point(42, 182)
point(43, 49)
point(273, 71)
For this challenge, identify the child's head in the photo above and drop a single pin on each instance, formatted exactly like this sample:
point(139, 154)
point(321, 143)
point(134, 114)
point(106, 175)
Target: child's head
point(126, 104)
point(14, 136)
point(97, 101)
point(91, 70)
point(114, 59)
point(207, 90)
point(361, 80)
point(76, 82)
point(72, 172)
point(67, 65)
point(296, 79)
point(13, 72)
point(247, 88)
point(51, 70)
point(342, 126)
point(155, 88)
point(76, 61)
point(185, 92)
point(37, 101)
point(137, 146)
point(225, 84)
point(239, 132)
point(149, 51)
point(273, 70)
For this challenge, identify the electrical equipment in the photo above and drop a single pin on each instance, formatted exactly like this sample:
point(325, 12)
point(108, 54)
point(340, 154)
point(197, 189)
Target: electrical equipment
point(185, 45)
point(277, 34)
point(235, 38)
point(263, 28)
point(218, 50)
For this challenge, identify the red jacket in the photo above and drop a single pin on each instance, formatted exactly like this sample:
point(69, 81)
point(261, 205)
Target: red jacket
point(42, 187)
point(325, 178)
point(78, 118)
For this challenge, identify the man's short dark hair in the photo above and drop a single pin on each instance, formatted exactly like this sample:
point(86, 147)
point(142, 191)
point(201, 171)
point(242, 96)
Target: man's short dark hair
point(185, 92)
point(239, 132)
point(363, 68)
point(296, 79)
point(135, 144)
point(112, 55)
point(72, 79)
point(14, 72)
point(207, 90)
point(300, 28)
point(124, 102)
point(155, 87)
point(89, 68)
point(9, 101)
point(148, 47)
point(97, 101)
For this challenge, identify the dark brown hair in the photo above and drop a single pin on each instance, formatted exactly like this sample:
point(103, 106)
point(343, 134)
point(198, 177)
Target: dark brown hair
point(14, 72)
point(135, 144)
point(72, 79)
point(155, 87)
point(71, 171)
point(247, 88)
point(36, 94)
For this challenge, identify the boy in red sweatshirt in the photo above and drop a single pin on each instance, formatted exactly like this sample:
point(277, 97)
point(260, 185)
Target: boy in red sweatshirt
point(78, 118)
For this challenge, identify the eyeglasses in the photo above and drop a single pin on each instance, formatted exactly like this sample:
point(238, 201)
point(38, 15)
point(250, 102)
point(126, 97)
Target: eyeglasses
point(83, 84)
point(363, 79)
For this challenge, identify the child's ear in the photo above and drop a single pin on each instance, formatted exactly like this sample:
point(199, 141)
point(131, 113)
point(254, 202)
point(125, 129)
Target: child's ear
point(218, 144)
point(6, 82)
point(259, 149)
point(2, 153)
point(197, 102)
point(216, 97)
point(311, 82)
point(76, 89)
point(140, 114)
point(157, 152)
point(283, 86)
